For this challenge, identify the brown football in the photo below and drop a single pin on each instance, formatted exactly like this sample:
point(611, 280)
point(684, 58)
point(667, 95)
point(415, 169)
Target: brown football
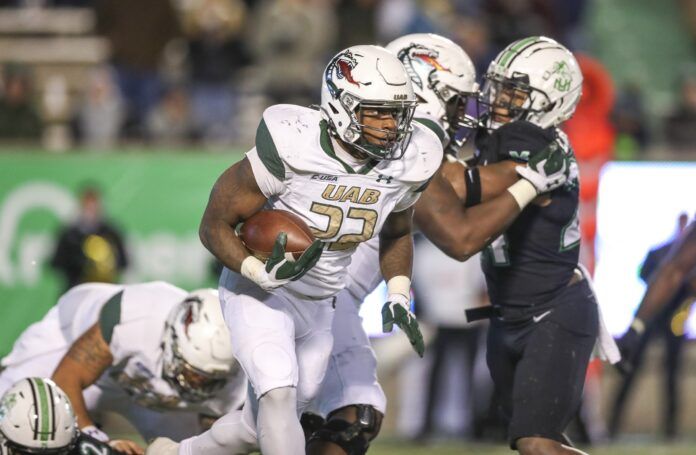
point(260, 231)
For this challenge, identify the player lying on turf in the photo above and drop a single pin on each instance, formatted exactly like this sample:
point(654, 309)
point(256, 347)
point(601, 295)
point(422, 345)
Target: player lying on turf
point(150, 352)
point(237, 432)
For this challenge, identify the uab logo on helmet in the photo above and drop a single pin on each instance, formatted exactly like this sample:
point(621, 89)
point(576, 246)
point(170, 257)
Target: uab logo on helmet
point(564, 78)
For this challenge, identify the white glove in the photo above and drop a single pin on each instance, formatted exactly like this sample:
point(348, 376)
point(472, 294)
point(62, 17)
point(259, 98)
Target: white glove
point(547, 170)
point(95, 432)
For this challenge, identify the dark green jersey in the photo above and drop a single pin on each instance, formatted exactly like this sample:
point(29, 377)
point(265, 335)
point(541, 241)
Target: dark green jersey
point(535, 258)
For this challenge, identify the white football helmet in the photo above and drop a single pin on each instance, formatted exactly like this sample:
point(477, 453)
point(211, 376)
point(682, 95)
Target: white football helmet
point(444, 80)
point(198, 356)
point(37, 417)
point(368, 77)
point(534, 79)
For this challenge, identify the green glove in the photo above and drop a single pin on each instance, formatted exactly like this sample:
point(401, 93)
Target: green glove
point(396, 311)
point(548, 169)
point(279, 268)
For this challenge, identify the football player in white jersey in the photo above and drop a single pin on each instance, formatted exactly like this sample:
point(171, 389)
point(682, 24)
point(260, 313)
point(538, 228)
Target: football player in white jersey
point(351, 170)
point(443, 77)
point(360, 131)
point(160, 357)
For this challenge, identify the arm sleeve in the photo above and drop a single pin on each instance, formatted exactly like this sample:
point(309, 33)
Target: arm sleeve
point(268, 183)
point(110, 316)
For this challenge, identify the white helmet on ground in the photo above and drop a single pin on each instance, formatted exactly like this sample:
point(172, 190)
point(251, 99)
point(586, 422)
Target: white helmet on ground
point(443, 77)
point(367, 77)
point(543, 77)
point(37, 417)
point(198, 356)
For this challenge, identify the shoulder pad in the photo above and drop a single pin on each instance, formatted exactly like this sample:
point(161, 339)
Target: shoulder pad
point(434, 126)
point(420, 161)
point(519, 140)
point(283, 136)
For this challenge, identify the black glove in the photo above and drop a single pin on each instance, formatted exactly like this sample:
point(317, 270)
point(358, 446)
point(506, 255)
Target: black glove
point(628, 347)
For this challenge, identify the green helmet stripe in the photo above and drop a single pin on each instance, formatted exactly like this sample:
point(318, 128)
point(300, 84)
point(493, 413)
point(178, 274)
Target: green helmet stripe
point(514, 48)
point(44, 420)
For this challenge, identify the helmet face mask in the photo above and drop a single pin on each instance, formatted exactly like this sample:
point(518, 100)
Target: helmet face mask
point(193, 384)
point(385, 129)
point(509, 99)
point(534, 79)
point(364, 79)
point(444, 79)
point(198, 357)
point(37, 417)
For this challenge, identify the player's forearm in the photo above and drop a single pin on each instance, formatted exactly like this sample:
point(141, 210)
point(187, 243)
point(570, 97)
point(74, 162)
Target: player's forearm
point(396, 245)
point(74, 390)
point(86, 360)
point(677, 268)
point(661, 290)
point(462, 232)
point(396, 256)
point(222, 241)
point(497, 178)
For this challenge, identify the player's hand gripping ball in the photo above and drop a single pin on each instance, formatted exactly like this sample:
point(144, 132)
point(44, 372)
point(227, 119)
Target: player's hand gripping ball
point(283, 241)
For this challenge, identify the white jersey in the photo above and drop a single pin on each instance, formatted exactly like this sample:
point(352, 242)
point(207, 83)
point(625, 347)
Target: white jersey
point(135, 344)
point(364, 274)
point(299, 168)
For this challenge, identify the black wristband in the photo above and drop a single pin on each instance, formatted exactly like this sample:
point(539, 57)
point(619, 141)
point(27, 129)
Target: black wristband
point(473, 187)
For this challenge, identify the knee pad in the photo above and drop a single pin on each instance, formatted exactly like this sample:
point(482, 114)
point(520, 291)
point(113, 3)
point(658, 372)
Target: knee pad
point(353, 437)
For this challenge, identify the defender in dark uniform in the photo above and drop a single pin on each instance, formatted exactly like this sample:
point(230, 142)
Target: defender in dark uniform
point(546, 317)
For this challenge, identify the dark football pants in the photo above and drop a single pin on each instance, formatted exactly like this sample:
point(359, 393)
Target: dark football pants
point(539, 367)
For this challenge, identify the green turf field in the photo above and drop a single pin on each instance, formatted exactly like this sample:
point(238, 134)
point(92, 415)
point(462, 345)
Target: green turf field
point(637, 448)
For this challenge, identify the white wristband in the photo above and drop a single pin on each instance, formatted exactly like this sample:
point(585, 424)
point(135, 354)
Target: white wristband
point(96, 433)
point(253, 269)
point(400, 285)
point(523, 191)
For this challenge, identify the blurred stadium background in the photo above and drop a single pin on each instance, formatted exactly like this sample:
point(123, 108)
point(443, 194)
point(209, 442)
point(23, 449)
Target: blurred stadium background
point(151, 99)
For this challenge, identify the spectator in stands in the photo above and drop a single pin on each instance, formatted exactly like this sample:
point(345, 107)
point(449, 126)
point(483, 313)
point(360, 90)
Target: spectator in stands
point(169, 123)
point(91, 249)
point(290, 40)
point(19, 119)
point(138, 32)
point(216, 53)
point(630, 121)
point(680, 125)
point(101, 112)
point(357, 22)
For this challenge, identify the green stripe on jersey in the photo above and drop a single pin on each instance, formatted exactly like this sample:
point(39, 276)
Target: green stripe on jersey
point(268, 153)
point(44, 420)
point(325, 141)
point(432, 126)
point(110, 316)
point(516, 48)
